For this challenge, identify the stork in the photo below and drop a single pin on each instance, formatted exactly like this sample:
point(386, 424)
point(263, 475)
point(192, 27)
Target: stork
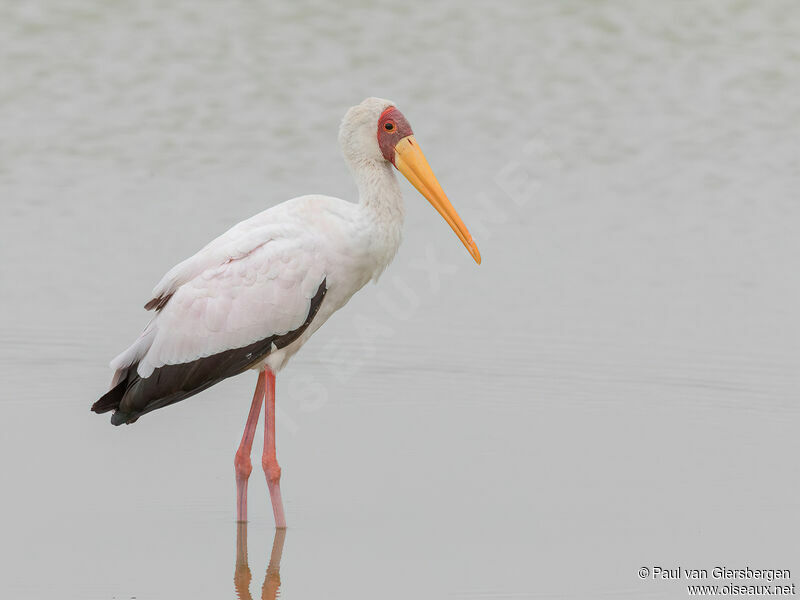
point(253, 296)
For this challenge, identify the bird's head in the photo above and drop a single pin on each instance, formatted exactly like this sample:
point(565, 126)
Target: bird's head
point(376, 131)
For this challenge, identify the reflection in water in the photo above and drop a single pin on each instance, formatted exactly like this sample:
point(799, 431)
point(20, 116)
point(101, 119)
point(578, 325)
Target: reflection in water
point(242, 577)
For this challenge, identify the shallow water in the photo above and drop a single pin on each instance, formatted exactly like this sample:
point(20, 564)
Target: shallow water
point(615, 387)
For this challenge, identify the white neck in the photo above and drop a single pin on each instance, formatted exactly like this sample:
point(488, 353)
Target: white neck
point(381, 201)
point(378, 190)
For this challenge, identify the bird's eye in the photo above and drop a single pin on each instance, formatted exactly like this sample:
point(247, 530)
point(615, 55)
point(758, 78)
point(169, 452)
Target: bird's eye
point(389, 127)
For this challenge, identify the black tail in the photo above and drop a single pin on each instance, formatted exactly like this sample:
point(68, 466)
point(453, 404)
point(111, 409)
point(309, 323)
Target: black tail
point(112, 398)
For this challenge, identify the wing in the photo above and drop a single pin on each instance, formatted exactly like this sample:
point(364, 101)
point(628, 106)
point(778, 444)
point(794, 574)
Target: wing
point(282, 232)
point(236, 243)
point(131, 396)
point(267, 292)
point(253, 289)
point(220, 322)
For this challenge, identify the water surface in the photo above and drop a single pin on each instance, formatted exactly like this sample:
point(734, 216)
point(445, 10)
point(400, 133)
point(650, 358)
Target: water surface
point(616, 386)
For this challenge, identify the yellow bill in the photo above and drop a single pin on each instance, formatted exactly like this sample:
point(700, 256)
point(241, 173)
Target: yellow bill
point(411, 162)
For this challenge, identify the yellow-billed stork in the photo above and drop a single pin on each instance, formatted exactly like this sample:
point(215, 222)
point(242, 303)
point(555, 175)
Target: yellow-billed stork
point(253, 296)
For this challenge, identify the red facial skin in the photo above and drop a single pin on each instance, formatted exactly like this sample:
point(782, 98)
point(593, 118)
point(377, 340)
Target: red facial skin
point(392, 127)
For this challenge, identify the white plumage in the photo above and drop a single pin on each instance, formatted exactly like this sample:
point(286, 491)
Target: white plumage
point(256, 280)
point(254, 295)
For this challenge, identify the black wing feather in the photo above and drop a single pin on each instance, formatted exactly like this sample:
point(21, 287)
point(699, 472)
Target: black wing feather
point(134, 396)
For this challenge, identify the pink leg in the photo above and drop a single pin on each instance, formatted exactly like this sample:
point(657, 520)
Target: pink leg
point(270, 458)
point(242, 460)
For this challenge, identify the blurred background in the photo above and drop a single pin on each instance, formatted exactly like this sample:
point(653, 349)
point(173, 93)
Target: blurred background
point(616, 386)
